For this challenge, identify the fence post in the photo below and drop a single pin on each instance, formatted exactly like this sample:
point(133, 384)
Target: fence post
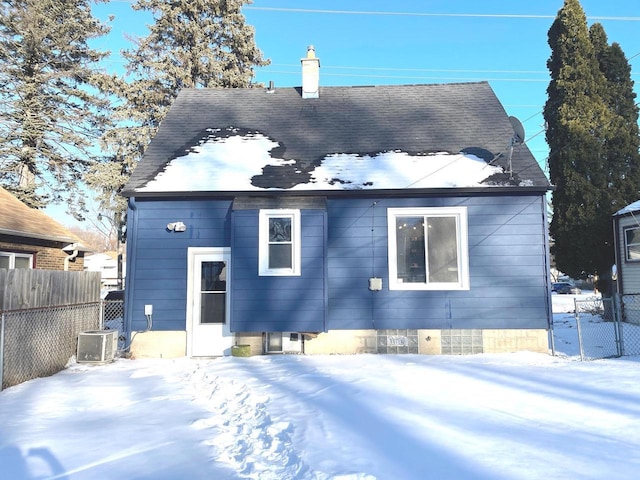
point(1, 349)
point(617, 318)
point(577, 316)
point(101, 314)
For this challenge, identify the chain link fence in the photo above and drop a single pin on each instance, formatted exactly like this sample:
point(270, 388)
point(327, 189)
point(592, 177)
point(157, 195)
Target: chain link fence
point(113, 319)
point(629, 315)
point(606, 327)
point(37, 342)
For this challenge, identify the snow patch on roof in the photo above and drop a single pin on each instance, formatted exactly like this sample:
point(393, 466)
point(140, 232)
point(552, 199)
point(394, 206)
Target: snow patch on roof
point(398, 170)
point(226, 163)
point(229, 161)
point(632, 207)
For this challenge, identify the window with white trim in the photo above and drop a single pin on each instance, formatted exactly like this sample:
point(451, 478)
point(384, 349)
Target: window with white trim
point(12, 260)
point(279, 242)
point(428, 248)
point(632, 244)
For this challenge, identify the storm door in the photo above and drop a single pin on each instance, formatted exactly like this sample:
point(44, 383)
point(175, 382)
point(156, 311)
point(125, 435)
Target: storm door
point(208, 331)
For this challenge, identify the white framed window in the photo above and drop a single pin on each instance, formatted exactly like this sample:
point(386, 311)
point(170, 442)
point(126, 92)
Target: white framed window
point(12, 260)
point(428, 248)
point(632, 244)
point(279, 242)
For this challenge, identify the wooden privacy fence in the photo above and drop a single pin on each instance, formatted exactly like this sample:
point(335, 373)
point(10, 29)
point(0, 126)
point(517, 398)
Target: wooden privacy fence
point(25, 288)
point(41, 314)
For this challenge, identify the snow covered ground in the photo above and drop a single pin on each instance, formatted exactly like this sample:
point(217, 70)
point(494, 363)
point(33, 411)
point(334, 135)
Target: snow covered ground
point(365, 417)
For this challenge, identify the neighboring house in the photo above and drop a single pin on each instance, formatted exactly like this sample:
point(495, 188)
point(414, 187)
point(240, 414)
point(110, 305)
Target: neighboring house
point(31, 239)
point(404, 218)
point(107, 264)
point(626, 229)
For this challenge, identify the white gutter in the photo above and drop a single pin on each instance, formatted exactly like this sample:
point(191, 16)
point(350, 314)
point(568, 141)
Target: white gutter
point(71, 256)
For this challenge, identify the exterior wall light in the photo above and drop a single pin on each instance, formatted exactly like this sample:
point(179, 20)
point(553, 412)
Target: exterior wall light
point(176, 227)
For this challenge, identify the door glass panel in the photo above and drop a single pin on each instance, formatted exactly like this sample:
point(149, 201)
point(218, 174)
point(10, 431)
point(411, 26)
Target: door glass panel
point(213, 288)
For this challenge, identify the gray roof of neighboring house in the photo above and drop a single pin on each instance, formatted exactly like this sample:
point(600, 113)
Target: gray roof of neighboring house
point(416, 119)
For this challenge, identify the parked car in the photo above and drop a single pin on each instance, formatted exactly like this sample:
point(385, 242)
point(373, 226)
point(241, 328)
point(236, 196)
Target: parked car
point(565, 288)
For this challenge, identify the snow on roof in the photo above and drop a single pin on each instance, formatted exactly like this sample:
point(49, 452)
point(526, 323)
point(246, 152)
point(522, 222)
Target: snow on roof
point(231, 163)
point(633, 207)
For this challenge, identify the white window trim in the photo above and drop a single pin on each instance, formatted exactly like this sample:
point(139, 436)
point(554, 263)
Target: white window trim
point(263, 243)
point(12, 258)
point(626, 246)
point(460, 213)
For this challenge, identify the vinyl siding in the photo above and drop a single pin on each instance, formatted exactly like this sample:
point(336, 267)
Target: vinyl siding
point(157, 266)
point(342, 247)
point(628, 272)
point(507, 267)
point(274, 303)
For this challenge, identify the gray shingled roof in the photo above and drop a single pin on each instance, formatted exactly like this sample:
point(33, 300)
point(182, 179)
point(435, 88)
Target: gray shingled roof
point(418, 119)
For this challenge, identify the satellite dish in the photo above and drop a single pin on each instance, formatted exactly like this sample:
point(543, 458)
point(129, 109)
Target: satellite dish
point(518, 131)
point(517, 139)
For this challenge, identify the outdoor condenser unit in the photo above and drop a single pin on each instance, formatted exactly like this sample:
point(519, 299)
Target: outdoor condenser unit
point(97, 346)
point(283, 342)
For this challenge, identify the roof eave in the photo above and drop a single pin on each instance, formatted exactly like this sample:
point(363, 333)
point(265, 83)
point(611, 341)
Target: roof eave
point(349, 193)
point(51, 238)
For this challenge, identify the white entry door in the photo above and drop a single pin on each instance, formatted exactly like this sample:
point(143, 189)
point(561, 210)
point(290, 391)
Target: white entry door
point(208, 331)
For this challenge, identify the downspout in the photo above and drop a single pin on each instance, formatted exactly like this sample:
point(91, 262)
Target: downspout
point(70, 257)
point(617, 255)
point(132, 234)
point(547, 268)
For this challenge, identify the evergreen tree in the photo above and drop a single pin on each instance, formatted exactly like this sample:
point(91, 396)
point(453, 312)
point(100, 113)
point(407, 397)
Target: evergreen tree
point(622, 141)
point(192, 43)
point(50, 113)
point(586, 164)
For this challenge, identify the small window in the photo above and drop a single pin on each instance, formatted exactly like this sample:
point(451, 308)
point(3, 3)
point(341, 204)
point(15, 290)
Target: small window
point(428, 249)
point(632, 244)
point(12, 260)
point(279, 242)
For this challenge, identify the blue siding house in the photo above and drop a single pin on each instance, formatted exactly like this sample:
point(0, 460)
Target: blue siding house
point(386, 219)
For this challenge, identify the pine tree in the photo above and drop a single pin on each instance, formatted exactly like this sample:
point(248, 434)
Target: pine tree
point(580, 126)
point(191, 44)
point(50, 113)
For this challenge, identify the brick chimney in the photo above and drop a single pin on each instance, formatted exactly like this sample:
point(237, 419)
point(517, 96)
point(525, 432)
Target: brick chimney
point(310, 74)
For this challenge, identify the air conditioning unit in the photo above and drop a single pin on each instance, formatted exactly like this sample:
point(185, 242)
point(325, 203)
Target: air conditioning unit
point(283, 342)
point(97, 346)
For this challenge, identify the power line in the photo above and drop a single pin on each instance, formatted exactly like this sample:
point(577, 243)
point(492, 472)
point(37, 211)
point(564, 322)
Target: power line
point(424, 14)
point(395, 69)
point(412, 77)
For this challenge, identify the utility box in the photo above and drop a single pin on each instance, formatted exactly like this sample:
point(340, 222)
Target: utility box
point(97, 346)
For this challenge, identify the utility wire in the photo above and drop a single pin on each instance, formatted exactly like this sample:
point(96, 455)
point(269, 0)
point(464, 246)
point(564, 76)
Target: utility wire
point(424, 14)
point(396, 69)
point(414, 77)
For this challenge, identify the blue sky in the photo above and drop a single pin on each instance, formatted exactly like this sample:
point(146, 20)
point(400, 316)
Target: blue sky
point(377, 42)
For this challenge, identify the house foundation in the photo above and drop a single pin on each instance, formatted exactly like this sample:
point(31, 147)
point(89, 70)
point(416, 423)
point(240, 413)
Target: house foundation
point(172, 344)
